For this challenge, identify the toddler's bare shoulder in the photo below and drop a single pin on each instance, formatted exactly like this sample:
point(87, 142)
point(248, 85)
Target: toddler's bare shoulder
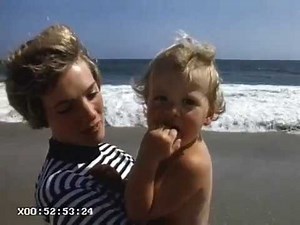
point(197, 164)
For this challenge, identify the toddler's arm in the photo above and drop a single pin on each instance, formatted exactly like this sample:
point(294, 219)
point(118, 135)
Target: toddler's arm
point(150, 195)
point(157, 145)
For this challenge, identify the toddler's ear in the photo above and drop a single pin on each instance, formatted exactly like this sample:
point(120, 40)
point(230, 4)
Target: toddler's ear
point(145, 110)
point(207, 121)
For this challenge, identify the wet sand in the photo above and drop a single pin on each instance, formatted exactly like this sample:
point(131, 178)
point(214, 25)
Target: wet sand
point(256, 175)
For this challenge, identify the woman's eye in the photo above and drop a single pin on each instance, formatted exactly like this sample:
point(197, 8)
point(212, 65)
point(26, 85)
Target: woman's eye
point(65, 109)
point(92, 95)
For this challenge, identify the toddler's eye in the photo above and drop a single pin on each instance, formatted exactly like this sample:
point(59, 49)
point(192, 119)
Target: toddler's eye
point(189, 101)
point(160, 98)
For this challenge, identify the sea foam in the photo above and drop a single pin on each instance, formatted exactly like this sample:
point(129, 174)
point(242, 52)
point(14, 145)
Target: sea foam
point(249, 108)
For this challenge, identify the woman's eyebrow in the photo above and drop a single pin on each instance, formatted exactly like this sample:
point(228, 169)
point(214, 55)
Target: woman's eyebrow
point(91, 87)
point(66, 101)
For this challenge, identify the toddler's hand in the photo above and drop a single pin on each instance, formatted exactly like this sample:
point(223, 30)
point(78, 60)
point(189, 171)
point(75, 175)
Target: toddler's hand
point(160, 143)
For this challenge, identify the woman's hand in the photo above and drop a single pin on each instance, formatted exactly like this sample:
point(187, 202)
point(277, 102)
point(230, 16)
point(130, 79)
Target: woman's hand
point(107, 175)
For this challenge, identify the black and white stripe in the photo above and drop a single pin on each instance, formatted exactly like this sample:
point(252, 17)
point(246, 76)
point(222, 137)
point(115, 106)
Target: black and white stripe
point(63, 183)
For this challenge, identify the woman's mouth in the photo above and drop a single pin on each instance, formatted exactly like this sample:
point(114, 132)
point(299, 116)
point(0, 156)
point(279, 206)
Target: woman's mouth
point(92, 129)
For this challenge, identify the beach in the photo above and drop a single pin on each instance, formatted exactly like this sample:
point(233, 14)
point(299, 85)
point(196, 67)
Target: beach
point(256, 175)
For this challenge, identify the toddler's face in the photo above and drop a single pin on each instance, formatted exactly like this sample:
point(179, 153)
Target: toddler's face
point(174, 102)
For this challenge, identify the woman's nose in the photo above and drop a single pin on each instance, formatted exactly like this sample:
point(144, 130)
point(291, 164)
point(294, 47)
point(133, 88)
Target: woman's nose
point(88, 110)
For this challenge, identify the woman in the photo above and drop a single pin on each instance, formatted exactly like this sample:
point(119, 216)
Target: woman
point(53, 83)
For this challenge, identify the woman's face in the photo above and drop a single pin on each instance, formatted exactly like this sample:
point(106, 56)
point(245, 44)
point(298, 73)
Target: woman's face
point(74, 107)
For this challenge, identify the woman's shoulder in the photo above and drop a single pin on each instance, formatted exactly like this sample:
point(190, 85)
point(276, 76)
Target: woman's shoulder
point(115, 157)
point(108, 148)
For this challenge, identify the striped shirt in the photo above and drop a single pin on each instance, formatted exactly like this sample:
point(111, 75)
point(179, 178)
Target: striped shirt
point(66, 187)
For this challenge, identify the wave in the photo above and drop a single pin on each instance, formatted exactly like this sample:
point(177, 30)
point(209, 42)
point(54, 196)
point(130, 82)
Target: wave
point(249, 108)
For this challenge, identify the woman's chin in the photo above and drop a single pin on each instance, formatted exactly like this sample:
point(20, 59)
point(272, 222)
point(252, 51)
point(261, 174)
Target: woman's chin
point(93, 140)
point(97, 139)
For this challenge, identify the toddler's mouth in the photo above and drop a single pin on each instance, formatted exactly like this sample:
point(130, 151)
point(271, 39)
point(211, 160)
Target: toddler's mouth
point(174, 127)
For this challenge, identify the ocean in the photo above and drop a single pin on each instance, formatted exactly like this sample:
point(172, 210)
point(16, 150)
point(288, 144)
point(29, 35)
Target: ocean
point(261, 95)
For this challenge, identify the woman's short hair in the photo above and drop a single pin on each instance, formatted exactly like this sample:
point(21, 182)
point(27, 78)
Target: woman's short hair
point(35, 67)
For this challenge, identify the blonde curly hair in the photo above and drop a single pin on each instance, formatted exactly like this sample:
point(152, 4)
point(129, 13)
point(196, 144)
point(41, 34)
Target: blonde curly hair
point(34, 68)
point(193, 60)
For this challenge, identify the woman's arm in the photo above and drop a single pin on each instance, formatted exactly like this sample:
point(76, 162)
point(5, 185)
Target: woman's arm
point(86, 207)
point(94, 186)
point(72, 193)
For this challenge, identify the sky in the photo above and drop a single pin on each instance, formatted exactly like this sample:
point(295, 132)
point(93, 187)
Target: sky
point(240, 29)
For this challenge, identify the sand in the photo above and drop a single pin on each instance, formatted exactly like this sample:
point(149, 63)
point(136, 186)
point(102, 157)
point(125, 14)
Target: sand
point(256, 175)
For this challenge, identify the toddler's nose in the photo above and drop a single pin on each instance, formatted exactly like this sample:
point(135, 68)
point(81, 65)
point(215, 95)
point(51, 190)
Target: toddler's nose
point(174, 110)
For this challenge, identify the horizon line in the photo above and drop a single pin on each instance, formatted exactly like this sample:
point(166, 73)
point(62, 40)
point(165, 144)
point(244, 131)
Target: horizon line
point(2, 59)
